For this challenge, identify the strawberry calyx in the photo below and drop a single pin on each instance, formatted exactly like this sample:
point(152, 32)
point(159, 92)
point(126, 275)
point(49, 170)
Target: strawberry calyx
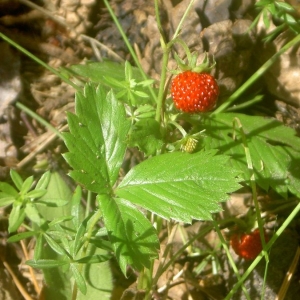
point(191, 65)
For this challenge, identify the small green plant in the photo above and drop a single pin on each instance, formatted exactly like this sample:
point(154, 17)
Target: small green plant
point(183, 176)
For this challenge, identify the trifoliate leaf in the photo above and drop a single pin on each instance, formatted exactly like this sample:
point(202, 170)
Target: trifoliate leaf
point(180, 186)
point(96, 141)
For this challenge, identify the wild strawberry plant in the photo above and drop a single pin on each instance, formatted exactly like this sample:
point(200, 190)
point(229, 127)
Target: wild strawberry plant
point(183, 176)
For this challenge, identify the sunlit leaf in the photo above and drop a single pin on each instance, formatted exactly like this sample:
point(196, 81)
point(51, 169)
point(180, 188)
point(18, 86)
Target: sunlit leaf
point(6, 199)
point(16, 178)
point(27, 184)
point(181, 186)
point(36, 193)
point(16, 217)
point(43, 181)
point(96, 141)
point(8, 189)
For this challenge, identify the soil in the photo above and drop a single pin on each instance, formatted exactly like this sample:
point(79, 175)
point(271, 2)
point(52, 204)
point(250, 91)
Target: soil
point(83, 30)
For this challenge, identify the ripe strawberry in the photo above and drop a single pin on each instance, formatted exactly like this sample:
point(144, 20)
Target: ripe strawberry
point(247, 246)
point(194, 92)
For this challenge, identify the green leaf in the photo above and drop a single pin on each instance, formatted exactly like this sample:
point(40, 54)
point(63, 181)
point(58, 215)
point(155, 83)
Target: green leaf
point(144, 111)
point(27, 184)
point(263, 3)
point(146, 82)
point(133, 237)
point(146, 136)
point(93, 259)
point(270, 144)
point(8, 189)
point(21, 236)
point(79, 279)
point(102, 244)
point(266, 18)
point(180, 186)
point(289, 19)
point(98, 278)
point(58, 277)
point(60, 220)
point(60, 234)
point(43, 181)
point(33, 214)
point(57, 199)
point(128, 70)
point(16, 217)
point(140, 94)
point(115, 83)
point(96, 141)
point(96, 71)
point(54, 245)
point(78, 242)
point(6, 199)
point(38, 249)
point(46, 263)
point(37, 193)
point(76, 207)
point(16, 178)
point(284, 6)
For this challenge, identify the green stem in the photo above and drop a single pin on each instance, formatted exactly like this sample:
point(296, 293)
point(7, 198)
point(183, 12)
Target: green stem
point(33, 57)
point(88, 204)
point(252, 183)
point(131, 50)
point(39, 119)
point(256, 76)
point(166, 52)
point(163, 76)
point(158, 22)
point(246, 104)
point(179, 127)
point(178, 29)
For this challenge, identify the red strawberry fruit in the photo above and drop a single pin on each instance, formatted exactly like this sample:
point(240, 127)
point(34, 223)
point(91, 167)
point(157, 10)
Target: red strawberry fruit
point(194, 92)
point(247, 246)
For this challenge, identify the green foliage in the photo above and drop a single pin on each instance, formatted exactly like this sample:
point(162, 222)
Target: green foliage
point(180, 186)
point(21, 199)
point(96, 141)
point(133, 237)
point(126, 80)
point(145, 134)
point(280, 11)
point(60, 240)
point(274, 148)
point(182, 176)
